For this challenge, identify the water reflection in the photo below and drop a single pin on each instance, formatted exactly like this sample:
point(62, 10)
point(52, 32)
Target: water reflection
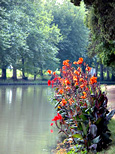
point(25, 117)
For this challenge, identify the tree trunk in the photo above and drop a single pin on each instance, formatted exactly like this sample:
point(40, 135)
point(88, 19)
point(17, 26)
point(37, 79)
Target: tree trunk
point(96, 69)
point(108, 77)
point(101, 72)
point(14, 77)
point(23, 70)
point(113, 77)
point(41, 72)
point(4, 73)
point(34, 76)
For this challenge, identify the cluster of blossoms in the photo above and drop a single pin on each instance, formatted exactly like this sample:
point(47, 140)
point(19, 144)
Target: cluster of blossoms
point(81, 106)
point(73, 88)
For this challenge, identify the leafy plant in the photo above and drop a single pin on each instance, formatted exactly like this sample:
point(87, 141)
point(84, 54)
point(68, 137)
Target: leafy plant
point(81, 106)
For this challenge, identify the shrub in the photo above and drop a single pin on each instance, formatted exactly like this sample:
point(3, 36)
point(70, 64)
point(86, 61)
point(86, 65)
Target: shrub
point(81, 107)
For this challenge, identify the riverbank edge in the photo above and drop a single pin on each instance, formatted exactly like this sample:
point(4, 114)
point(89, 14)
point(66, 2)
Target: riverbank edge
point(42, 83)
point(8, 84)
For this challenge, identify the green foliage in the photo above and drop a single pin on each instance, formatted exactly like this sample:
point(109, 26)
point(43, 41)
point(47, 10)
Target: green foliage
point(81, 106)
point(28, 37)
point(99, 45)
point(101, 22)
point(4, 35)
point(70, 20)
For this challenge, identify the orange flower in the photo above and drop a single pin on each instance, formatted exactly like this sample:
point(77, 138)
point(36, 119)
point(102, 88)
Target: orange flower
point(79, 69)
point(76, 72)
point(66, 62)
point(93, 80)
point(67, 82)
point(81, 80)
point(64, 72)
point(82, 85)
point(80, 61)
point(63, 102)
point(88, 68)
point(61, 91)
point(54, 73)
point(84, 93)
point(83, 97)
point(75, 78)
point(63, 67)
point(71, 101)
point(59, 107)
point(75, 62)
point(68, 88)
point(76, 83)
point(49, 71)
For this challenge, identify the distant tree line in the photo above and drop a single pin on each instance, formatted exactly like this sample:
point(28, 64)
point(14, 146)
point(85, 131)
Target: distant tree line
point(37, 35)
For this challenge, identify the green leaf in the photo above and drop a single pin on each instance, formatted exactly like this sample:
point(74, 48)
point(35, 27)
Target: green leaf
point(77, 136)
point(84, 128)
point(98, 121)
point(83, 117)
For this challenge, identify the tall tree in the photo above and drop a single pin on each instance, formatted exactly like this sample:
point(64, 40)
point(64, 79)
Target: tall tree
point(70, 20)
point(42, 39)
point(4, 38)
point(101, 22)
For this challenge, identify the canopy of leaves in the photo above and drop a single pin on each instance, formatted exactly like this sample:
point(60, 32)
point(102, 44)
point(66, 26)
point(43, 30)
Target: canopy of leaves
point(70, 20)
point(28, 38)
point(101, 21)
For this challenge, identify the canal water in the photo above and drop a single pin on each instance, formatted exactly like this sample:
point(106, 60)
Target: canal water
point(25, 117)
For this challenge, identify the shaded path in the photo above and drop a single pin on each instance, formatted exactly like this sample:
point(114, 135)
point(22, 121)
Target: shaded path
point(111, 97)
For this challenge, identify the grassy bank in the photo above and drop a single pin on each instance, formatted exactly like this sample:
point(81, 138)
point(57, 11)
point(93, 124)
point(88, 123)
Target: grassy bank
point(23, 82)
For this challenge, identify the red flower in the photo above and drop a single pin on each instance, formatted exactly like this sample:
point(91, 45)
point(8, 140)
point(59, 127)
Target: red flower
point(51, 131)
point(55, 79)
point(49, 71)
point(49, 82)
point(87, 89)
point(58, 117)
point(51, 124)
point(85, 104)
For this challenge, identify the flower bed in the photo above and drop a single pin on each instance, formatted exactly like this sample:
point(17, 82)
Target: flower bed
point(81, 107)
